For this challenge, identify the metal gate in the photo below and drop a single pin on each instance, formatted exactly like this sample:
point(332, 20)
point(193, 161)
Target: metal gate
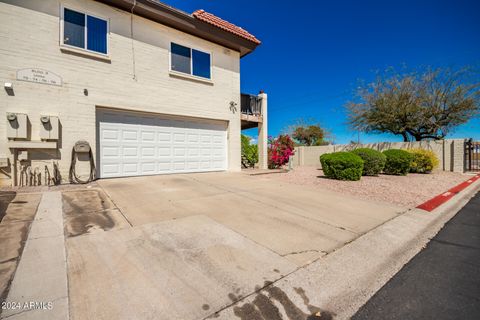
point(472, 155)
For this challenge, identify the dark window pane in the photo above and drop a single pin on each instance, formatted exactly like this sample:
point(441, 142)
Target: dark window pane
point(201, 64)
point(74, 28)
point(180, 58)
point(96, 34)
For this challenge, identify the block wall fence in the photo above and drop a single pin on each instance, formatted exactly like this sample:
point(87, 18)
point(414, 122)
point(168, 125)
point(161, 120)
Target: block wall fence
point(450, 152)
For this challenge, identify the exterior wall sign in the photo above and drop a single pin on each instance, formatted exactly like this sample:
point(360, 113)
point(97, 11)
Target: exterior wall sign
point(39, 76)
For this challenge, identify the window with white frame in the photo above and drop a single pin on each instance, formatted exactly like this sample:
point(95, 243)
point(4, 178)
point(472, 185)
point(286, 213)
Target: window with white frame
point(190, 61)
point(84, 31)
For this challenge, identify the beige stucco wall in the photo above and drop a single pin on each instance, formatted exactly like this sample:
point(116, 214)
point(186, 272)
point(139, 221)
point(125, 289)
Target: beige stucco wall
point(135, 78)
point(450, 152)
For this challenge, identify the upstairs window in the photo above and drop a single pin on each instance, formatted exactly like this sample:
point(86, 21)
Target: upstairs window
point(190, 61)
point(84, 31)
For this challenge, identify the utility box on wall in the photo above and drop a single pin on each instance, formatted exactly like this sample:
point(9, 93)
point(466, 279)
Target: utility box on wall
point(4, 162)
point(17, 126)
point(49, 128)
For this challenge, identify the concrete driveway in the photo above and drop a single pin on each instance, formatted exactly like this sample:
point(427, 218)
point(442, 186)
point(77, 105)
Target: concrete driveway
point(186, 246)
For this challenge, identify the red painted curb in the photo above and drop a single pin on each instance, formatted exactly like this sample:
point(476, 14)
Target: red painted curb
point(437, 201)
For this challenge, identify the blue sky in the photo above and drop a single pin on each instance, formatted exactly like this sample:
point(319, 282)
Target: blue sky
point(313, 53)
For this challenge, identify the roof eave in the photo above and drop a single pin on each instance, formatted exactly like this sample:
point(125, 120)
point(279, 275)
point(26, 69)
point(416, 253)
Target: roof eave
point(185, 22)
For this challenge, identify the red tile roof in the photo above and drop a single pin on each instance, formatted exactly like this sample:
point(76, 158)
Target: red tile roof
point(225, 25)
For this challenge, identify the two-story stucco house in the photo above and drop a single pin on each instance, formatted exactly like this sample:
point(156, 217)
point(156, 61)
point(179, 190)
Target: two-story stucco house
point(150, 88)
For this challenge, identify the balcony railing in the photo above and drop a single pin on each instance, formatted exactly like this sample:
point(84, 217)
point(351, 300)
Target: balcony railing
point(251, 104)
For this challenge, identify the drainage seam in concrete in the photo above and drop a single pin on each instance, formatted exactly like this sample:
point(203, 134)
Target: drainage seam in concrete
point(118, 208)
point(304, 251)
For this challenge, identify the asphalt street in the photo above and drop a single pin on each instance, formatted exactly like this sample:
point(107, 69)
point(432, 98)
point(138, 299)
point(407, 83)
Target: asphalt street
point(441, 282)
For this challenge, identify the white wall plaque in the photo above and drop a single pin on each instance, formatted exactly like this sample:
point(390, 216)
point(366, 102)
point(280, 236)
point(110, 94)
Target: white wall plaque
point(39, 76)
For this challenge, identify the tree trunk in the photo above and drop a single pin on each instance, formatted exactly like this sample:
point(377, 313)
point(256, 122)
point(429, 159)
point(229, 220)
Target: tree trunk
point(405, 137)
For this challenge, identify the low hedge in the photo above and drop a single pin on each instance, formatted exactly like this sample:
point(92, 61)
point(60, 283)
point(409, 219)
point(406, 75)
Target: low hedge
point(373, 161)
point(423, 161)
point(342, 166)
point(398, 162)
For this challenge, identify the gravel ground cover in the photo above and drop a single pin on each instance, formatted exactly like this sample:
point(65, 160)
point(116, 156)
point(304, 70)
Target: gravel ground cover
point(409, 191)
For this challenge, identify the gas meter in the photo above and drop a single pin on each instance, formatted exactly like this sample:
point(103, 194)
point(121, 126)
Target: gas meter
point(81, 146)
point(45, 119)
point(11, 117)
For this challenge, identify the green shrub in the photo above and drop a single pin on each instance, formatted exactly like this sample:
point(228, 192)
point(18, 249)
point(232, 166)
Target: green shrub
point(249, 151)
point(398, 162)
point(342, 166)
point(423, 161)
point(373, 161)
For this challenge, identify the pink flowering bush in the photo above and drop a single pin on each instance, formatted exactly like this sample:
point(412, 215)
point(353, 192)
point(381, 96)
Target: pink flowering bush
point(280, 149)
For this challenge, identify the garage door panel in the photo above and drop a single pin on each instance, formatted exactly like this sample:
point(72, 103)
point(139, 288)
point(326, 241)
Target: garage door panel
point(217, 164)
point(205, 138)
point(178, 165)
point(179, 137)
point(147, 152)
point(111, 152)
point(164, 151)
point(217, 139)
point(164, 136)
point(192, 138)
point(110, 134)
point(205, 151)
point(205, 164)
point(217, 152)
point(192, 165)
point(148, 167)
point(111, 169)
point(129, 135)
point(134, 144)
point(148, 136)
point(164, 167)
point(193, 152)
point(178, 152)
point(130, 168)
point(130, 152)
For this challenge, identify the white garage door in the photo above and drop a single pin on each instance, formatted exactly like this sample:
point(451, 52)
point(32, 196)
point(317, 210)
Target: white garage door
point(134, 144)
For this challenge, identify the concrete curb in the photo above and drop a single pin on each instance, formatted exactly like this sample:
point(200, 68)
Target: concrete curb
point(440, 199)
point(337, 285)
point(39, 289)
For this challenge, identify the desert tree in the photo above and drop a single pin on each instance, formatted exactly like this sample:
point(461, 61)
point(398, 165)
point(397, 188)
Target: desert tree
point(308, 133)
point(417, 105)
